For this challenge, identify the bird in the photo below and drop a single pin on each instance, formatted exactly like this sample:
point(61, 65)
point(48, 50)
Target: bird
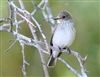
point(62, 36)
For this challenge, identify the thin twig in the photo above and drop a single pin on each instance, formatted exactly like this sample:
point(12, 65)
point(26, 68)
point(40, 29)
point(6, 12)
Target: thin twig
point(24, 60)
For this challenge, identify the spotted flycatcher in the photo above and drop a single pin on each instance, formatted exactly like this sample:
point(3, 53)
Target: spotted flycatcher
point(62, 36)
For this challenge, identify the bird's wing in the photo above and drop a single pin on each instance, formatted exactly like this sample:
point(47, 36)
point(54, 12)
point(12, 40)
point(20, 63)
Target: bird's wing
point(51, 43)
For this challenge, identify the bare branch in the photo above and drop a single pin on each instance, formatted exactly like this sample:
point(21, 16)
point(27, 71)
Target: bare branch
point(24, 60)
point(70, 67)
point(34, 41)
point(81, 63)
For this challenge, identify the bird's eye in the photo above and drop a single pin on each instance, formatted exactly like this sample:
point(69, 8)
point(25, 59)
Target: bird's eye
point(63, 16)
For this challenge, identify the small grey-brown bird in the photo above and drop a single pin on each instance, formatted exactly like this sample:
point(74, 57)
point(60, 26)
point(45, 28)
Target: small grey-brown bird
point(62, 36)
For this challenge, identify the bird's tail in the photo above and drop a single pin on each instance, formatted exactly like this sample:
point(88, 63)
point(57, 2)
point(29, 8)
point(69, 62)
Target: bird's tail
point(52, 61)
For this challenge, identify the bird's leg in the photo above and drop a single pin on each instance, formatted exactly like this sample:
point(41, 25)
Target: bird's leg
point(50, 51)
point(59, 54)
point(68, 49)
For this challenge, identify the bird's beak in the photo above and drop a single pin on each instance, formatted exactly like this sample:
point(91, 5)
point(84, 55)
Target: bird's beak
point(56, 18)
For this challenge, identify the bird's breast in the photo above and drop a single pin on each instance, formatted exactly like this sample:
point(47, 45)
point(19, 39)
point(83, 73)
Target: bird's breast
point(64, 35)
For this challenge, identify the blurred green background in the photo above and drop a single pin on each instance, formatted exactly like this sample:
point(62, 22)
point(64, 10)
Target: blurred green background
point(86, 16)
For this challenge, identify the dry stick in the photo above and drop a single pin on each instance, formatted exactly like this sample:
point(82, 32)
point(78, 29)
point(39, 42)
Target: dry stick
point(22, 38)
point(16, 22)
point(5, 27)
point(41, 54)
point(22, 11)
point(21, 44)
point(70, 67)
point(47, 14)
point(81, 63)
point(24, 60)
point(35, 38)
point(11, 14)
point(26, 19)
point(39, 5)
point(11, 46)
point(44, 37)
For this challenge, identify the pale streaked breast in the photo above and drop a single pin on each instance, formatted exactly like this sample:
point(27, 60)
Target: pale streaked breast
point(64, 34)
